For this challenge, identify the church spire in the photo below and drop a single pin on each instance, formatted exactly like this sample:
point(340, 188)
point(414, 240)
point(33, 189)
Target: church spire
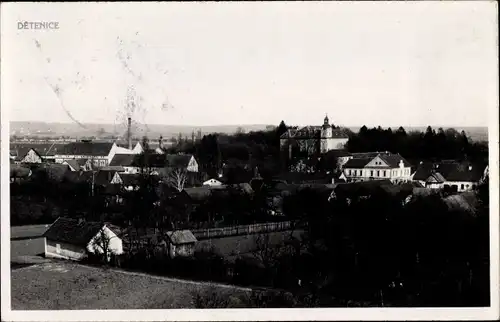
point(326, 122)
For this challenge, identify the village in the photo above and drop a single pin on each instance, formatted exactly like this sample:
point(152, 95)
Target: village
point(167, 208)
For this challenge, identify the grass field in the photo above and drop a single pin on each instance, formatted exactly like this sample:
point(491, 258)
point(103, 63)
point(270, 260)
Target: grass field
point(62, 285)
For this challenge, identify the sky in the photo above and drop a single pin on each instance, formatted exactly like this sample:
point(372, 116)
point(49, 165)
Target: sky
point(386, 63)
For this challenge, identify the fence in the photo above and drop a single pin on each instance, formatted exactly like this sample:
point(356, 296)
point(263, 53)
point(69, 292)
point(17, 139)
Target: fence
point(241, 230)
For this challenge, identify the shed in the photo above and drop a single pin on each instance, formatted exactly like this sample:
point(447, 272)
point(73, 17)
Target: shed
point(181, 243)
point(74, 239)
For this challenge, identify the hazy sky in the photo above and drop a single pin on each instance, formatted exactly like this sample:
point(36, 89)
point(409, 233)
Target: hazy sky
point(245, 63)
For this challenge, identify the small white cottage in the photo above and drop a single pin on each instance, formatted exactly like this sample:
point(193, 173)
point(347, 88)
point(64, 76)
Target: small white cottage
point(74, 239)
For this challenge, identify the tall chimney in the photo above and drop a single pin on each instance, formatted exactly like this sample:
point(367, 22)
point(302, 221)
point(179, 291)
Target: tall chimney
point(160, 142)
point(129, 132)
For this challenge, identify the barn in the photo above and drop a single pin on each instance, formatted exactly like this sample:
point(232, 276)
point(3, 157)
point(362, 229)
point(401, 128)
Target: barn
point(74, 239)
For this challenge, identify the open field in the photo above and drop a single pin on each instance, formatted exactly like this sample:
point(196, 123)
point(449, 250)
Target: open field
point(61, 285)
point(229, 247)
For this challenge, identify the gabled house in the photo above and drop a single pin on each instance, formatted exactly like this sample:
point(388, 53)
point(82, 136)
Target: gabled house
point(377, 166)
point(74, 239)
point(185, 162)
point(32, 156)
point(462, 176)
point(212, 182)
point(100, 153)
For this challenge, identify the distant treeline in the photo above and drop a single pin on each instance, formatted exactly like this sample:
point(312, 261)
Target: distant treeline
point(262, 148)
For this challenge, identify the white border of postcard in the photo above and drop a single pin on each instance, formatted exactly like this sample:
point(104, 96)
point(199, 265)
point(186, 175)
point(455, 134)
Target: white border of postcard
point(490, 313)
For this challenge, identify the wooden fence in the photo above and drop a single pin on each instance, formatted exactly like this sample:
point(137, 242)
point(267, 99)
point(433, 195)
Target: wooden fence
point(241, 230)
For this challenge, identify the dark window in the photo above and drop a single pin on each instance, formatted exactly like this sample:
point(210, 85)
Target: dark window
point(371, 173)
point(378, 173)
point(462, 186)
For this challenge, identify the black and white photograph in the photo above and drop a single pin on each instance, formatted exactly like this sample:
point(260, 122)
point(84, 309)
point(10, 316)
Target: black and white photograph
point(249, 161)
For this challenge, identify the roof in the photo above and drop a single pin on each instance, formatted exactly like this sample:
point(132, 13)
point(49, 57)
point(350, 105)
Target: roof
point(178, 160)
point(393, 160)
point(129, 179)
point(122, 160)
point(72, 231)
point(43, 149)
point(357, 163)
point(152, 160)
point(87, 148)
point(337, 153)
point(180, 237)
point(104, 177)
point(76, 163)
point(360, 160)
point(450, 171)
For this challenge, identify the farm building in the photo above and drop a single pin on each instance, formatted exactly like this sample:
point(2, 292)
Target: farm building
point(181, 243)
point(73, 239)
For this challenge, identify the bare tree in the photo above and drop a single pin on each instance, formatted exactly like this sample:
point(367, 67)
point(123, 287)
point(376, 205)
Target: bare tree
point(176, 178)
point(265, 251)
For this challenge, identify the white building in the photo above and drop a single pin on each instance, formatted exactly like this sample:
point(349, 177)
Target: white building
point(73, 239)
point(462, 176)
point(314, 139)
point(377, 166)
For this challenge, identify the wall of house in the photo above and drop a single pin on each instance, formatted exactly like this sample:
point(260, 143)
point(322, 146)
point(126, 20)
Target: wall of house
point(115, 243)
point(184, 250)
point(31, 157)
point(138, 148)
point(462, 185)
point(57, 249)
point(116, 179)
point(396, 175)
point(193, 165)
point(212, 183)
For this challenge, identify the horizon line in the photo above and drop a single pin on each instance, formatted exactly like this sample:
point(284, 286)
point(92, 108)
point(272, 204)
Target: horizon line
point(254, 124)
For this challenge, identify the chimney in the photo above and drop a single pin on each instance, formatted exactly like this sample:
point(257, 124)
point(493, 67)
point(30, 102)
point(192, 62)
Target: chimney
point(129, 133)
point(160, 142)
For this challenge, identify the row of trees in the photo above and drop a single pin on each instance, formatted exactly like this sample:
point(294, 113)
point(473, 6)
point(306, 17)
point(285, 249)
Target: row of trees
point(429, 145)
point(262, 148)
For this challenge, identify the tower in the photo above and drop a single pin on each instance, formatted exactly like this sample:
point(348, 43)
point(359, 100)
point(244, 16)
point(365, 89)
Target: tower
point(326, 134)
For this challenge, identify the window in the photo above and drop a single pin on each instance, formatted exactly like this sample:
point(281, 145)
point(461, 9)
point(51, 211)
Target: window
point(466, 186)
point(378, 173)
point(462, 186)
point(349, 172)
point(371, 173)
point(58, 248)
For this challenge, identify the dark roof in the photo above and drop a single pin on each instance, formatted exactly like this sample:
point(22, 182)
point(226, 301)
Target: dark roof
point(43, 149)
point(123, 160)
point(337, 153)
point(87, 148)
point(104, 177)
point(180, 237)
point(129, 179)
point(76, 163)
point(357, 163)
point(360, 160)
point(178, 160)
point(451, 171)
point(393, 160)
point(151, 160)
point(72, 231)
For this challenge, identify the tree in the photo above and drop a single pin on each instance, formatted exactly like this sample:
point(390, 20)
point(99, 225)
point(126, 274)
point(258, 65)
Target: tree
point(101, 245)
point(281, 129)
point(176, 178)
